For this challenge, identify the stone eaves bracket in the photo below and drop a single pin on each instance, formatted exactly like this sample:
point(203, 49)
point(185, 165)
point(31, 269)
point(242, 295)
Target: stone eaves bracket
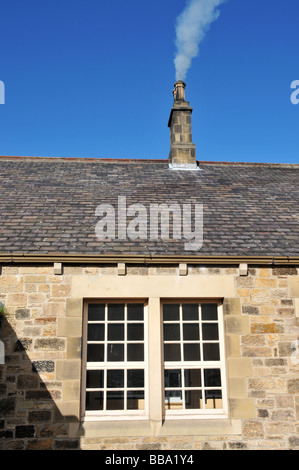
point(57, 268)
point(183, 269)
point(121, 269)
point(243, 269)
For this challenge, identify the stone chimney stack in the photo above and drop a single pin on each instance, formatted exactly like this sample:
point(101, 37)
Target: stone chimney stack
point(182, 150)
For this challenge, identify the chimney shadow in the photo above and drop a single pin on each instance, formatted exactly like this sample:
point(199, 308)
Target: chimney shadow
point(29, 417)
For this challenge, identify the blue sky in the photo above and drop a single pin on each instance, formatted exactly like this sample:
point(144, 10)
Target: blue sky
point(94, 78)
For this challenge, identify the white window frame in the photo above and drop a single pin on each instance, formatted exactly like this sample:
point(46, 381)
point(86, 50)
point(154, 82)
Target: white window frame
point(94, 415)
point(183, 365)
point(154, 389)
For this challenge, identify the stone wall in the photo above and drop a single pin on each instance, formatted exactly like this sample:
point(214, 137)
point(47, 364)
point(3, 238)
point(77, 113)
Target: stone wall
point(40, 380)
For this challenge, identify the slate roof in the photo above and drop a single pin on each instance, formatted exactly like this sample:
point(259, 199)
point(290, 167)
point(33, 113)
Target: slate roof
point(47, 205)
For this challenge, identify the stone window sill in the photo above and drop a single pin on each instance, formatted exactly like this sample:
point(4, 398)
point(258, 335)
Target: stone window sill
point(169, 427)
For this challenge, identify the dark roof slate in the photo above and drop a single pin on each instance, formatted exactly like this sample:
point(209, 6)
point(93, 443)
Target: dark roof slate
point(48, 205)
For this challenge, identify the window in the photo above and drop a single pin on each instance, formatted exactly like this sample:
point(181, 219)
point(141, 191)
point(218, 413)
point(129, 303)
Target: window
point(115, 374)
point(193, 358)
point(188, 377)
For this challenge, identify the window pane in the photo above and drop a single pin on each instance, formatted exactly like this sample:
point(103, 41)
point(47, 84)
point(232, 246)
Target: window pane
point(190, 331)
point(213, 399)
point(94, 401)
point(96, 332)
point(172, 352)
point(171, 332)
point(209, 312)
point(115, 400)
point(135, 400)
point(173, 400)
point(171, 312)
point(135, 312)
point(115, 378)
point(135, 352)
point(212, 378)
point(173, 378)
point(191, 352)
point(116, 332)
point(96, 312)
point(116, 312)
point(193, 399)
point(190, 311)
point(135, 378)
point(135, 332)
point(95, 353)
point(115, 352)
point(211, 352)
point(193, 378)
point(210, 331)
point(95, 379)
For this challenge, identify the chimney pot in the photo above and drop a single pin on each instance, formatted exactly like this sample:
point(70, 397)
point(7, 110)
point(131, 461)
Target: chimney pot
point(179, 91)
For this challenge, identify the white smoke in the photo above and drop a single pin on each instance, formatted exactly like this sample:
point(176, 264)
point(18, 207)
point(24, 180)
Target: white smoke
point(191, 27)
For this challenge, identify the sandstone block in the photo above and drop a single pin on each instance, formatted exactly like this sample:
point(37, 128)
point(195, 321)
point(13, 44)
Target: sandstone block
point(286, 312)
point(67, 412)
point(26, 381)
point(253, 429)
point(241, 292)
point(50, 344)
point(34, 279)
point(260, 296)
point(74, 307)
point(73, 349)
point(253, 340)
point(250, 310)
point(54, 309)
point(10, 284)
point(237, 325)
point(17, 300)
point(36, 299)
point(244, 282)
point(265, 272)
point(67, 444)
point(233, 345)
point(237, 387)
point(43, 366)
point(248, 351)
point(25, 431)
point(266, 328)
point(68, 369)
point(22, 313)
point(285, 271)
point(231, 306)
point(294, 442)
point(265, 283)
point(242, 408)
point(41, 416)
point(239, 367)
point(39, 444)
point(61, 290)
point(284, 401)
point(279, 294)
point(293, 385)
point(283, 415)
point(69, 327)
point(285, 348)
point(71, 390)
